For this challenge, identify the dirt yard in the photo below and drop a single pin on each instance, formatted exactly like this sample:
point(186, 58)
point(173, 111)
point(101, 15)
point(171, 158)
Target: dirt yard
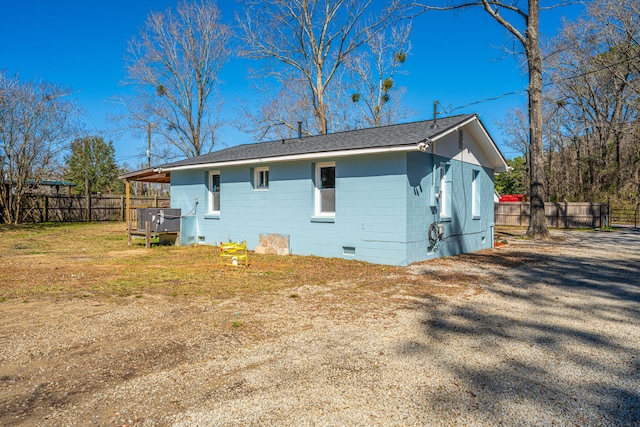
point(95, 333)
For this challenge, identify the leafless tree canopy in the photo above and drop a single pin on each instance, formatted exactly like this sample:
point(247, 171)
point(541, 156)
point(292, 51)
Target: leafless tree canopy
point(593, 96)
point(175, 63)
point(36, 123)
point(276, 109)
point(515, 130)
point(310, 40)
point(372, 85)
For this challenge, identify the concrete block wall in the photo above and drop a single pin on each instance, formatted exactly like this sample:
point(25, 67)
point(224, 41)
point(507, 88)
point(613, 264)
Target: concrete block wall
point(462, 231)
point(370, 215)
point(419, 212)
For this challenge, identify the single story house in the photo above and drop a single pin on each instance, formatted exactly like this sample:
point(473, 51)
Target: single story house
point(390, 195)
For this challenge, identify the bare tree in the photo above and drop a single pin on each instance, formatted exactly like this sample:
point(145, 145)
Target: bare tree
point(372, 74)
point(175, 63)
point(278, 113)
point(595, 73)
point(515, 128)
point(36, 122)
point(617, 24)
point(310, 40)
point(523, 24)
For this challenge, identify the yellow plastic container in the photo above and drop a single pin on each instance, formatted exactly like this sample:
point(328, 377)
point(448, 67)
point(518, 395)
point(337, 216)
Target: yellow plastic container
point(234, 253)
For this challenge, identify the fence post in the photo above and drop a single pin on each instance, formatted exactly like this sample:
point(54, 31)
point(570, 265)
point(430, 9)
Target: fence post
point(521, 214)
point(155, 201)
point(45, 212)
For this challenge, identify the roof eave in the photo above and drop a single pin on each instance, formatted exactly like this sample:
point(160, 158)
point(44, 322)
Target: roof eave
point(293, 157)
point(498, 162)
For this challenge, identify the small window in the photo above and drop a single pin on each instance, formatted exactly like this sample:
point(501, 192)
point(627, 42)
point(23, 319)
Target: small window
point(261, 178)
point(325, 189)
point(475, 193)
point(348, 250)
point(214, 192)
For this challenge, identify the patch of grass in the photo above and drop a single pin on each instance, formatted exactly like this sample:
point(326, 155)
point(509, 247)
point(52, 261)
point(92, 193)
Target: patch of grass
point(236, 324)
point(111, 270)
point(116, 238)
point(125, 287)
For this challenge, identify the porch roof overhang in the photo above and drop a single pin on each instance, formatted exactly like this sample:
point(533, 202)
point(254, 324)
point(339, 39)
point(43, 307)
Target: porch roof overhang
point(153, 175)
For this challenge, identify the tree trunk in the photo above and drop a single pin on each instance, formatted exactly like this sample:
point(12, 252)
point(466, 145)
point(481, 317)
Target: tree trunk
point(537, 222)
point(321, 107)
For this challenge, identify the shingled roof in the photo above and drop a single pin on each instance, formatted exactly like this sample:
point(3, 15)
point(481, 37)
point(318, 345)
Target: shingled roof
point(399, 136)
point(385, 136)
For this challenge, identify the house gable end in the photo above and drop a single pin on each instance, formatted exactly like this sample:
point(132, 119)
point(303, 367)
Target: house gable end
point(471, 144)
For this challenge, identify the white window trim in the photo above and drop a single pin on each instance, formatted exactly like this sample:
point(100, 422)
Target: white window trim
point(475, 194)
point(256, 178)
point(316, 190)
point(446, 188)
point(211, 175)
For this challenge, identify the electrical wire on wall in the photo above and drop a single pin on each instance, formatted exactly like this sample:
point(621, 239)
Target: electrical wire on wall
point(402, 242)
point(464, 198)
point(192, 212)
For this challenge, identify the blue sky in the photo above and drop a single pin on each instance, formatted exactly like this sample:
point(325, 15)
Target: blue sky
point(457, 58)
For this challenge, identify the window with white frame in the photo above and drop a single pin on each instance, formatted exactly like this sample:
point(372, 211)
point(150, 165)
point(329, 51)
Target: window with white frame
point(475, 193)
point(261, 178)
point(214, 192)
point(325, 190)
point(445, 191)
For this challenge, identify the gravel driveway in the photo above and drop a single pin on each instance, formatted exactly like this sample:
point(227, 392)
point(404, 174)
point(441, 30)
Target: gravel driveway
point(544, 334)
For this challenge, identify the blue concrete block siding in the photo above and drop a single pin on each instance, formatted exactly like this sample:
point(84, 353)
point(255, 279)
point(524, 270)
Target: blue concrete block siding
point(382, 207)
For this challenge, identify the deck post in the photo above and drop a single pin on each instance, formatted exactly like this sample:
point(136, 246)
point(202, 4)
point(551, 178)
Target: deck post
point(127, 186)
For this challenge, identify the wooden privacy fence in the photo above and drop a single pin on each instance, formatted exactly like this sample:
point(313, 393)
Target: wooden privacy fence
point(628, 215)
point(72, 208)
point(559, 215)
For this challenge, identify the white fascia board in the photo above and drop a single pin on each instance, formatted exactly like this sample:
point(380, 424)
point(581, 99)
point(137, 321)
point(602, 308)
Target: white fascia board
point(454, 129)
point(501, 163)
point(293, 157)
